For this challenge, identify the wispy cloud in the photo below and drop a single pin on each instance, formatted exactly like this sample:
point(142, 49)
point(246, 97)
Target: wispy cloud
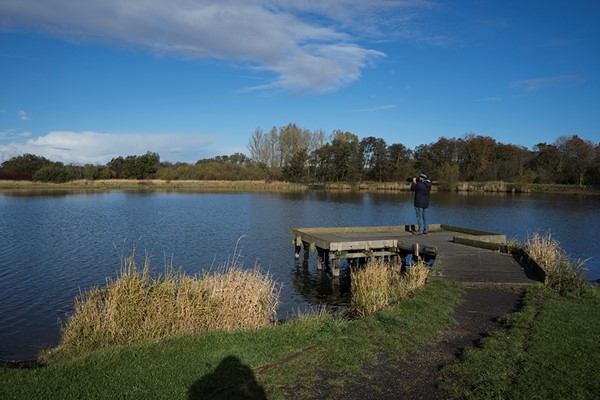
point(373, 109)
point(533, 85)
point(309, 46)
point(12, 134)
point(93, 147)
point(559, 42)
point(23, 115)
point(492, 99)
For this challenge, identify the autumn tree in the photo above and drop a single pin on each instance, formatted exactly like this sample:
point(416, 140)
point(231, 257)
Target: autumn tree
point(339, 160)
point(375, 158)
point(400, 161)
point(546, 163)
point(476, 157)
point(579, 156)
point(432, 157)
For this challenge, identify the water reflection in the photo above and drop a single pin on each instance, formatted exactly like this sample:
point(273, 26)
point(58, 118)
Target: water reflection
point(319, 286)
point(54, 244)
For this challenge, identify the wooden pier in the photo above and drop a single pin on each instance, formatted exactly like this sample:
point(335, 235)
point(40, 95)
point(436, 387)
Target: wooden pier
point(460, 254)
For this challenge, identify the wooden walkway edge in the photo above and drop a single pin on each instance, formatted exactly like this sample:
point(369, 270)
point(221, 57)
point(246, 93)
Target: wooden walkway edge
point(460, 254)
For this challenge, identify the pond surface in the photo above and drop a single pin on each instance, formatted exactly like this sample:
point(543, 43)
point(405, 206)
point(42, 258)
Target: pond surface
point(54, 245)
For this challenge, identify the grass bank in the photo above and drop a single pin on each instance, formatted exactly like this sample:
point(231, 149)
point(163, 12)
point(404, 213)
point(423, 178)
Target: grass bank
point(274, 361)
point(549, 351)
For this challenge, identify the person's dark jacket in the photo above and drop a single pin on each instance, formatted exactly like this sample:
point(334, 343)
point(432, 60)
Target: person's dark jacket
point(421, 189)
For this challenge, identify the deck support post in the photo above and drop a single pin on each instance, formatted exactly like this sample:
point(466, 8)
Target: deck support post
point(297, 247)
point(335, 266)
point(320, 258)
point(306, 253)
point(416, 253)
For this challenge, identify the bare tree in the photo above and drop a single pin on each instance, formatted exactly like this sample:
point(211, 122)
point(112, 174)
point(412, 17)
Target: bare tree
point(256, 147)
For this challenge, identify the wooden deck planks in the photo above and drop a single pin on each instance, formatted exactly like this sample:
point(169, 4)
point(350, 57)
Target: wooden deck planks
point(462, 254)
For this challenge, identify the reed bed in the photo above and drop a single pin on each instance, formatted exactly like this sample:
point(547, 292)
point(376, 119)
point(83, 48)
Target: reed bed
point(493, 187)
point(136, 306)
point(200, 185)
point(377, 285)
point(562, 274)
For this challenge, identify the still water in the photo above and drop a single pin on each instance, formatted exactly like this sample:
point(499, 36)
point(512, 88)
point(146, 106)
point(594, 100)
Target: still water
point(55, 245)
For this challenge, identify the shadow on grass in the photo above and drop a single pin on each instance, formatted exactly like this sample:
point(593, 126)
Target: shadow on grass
point(231, 379)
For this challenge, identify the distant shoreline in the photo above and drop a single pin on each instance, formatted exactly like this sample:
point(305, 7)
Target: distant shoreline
point(278, 186)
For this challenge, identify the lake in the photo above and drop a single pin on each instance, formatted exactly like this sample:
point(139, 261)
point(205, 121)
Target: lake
point(54, 245)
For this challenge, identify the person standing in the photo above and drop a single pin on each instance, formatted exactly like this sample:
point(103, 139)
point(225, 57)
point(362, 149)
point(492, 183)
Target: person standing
point(421, 186)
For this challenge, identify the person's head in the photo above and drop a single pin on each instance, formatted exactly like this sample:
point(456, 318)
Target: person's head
point(423, 177)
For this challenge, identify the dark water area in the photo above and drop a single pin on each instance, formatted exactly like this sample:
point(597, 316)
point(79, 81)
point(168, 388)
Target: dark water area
point(54, 245)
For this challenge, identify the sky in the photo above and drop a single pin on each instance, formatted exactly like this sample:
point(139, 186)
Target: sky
point(86, 81)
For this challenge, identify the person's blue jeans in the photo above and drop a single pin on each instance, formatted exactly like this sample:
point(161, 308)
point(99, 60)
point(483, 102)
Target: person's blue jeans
point(422, 219)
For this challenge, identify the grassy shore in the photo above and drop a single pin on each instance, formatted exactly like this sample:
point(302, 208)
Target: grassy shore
point(549, 348)
point(279, 360)
point(155, 184)
point(548, 351)
point(277, 186)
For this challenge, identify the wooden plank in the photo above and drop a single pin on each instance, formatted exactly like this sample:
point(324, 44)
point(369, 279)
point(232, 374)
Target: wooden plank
point(497, 245)
point(466, 230)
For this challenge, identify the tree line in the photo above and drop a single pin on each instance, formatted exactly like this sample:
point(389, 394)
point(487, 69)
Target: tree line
point(295, 154)
point(306, 156)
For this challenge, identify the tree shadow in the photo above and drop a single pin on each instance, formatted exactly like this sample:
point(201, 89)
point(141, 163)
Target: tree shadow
point(231, 379)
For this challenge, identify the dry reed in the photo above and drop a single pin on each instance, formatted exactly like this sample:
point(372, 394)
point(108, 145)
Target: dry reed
point(377, 285)
point(562, 274)
point(158, 184)
point(136, 306)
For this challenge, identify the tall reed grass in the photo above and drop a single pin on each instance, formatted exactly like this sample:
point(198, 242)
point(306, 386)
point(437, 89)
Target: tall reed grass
point(136, 306)
point(493, 187)
point(377, 285)
point(562, 274)
point(160, 184)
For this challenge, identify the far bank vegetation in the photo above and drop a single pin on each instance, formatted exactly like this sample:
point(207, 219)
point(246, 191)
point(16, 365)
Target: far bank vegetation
point(343, 160)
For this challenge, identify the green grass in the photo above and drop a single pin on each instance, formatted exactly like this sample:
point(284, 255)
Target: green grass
point(550, 351)
point(279, 360)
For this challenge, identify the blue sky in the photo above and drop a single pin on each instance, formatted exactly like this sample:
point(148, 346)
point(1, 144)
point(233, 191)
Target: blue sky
point(86, 81)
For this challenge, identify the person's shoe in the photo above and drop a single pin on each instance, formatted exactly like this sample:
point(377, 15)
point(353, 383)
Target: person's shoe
point(416, 233)
point(425, 233)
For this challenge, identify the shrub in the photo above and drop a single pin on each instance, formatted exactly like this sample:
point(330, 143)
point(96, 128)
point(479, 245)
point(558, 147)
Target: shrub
point(56, 173)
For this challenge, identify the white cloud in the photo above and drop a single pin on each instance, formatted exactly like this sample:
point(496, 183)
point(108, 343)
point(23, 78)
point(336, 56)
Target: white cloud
point(99, 148)
point(310, 46)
